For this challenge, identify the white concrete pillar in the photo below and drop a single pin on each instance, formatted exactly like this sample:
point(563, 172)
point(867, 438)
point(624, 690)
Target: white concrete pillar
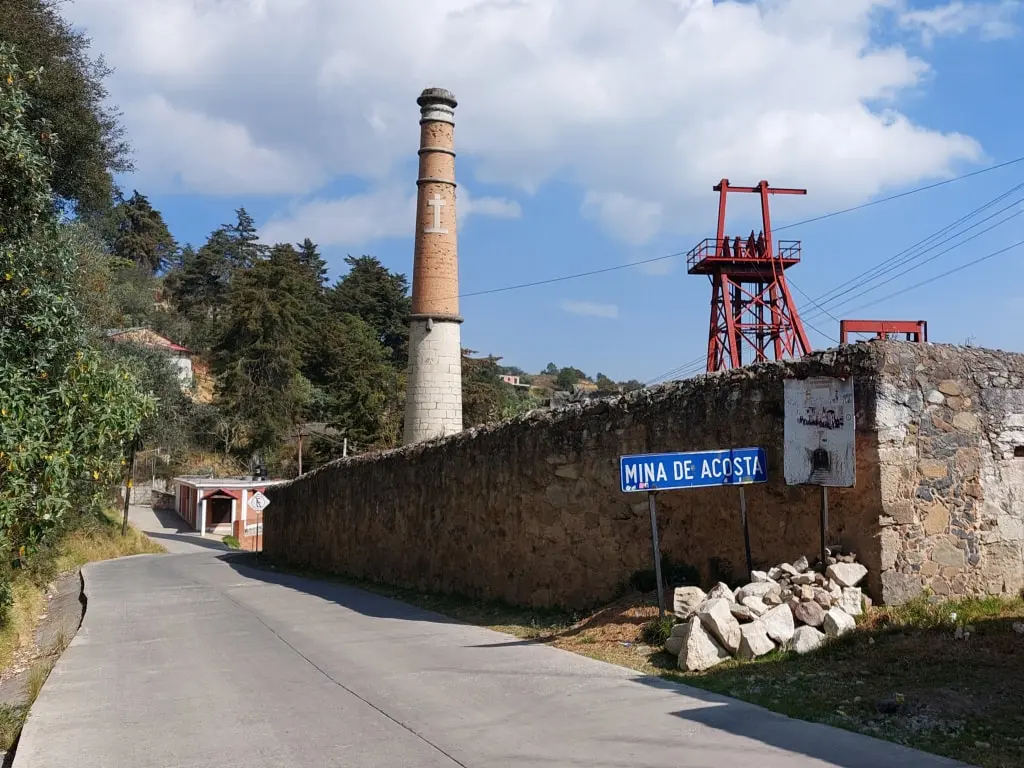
point(202, 517)
point(245, 504)
point(234, 511)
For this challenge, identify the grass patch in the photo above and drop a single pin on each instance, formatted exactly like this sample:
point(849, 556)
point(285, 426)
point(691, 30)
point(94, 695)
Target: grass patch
point(231, 542)
point(903, 676)
point(99, 538)
point(11, 720)
point(22, 618)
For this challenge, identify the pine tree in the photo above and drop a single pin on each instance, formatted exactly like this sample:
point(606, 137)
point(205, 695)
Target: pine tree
point(311, 260)
point(258, 357)
point(141, 235)
point(200, 289)
point(245, 249)
point(380, 298)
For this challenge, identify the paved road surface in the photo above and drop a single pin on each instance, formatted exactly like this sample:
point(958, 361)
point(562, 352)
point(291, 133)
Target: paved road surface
point(196, 660)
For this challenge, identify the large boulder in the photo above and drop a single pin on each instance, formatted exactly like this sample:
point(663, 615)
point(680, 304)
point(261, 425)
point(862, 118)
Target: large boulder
point(807, 639)
point(674, 645)
point(754, 641)
point(716, 615)
point(779, 624)
point(809, 613)
point(686, 600)
point(699, 651)
point(838, 622)
point(847, 574)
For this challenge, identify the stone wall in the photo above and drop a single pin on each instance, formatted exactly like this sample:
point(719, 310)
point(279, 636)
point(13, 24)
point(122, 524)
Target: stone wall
point(530, 511)
point(951, 442)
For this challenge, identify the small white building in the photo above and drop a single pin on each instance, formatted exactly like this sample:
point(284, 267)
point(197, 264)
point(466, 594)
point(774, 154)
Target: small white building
point(215, 504)
point(181, 357)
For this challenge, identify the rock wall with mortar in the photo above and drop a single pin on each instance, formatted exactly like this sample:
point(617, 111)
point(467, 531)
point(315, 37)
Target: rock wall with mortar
point(951, 444)
point(530, 511)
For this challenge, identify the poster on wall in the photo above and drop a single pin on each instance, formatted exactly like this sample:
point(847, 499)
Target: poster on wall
point(819, 432)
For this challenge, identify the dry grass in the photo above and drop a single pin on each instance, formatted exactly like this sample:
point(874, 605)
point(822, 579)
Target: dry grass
point(101, 539)
point(23, 616)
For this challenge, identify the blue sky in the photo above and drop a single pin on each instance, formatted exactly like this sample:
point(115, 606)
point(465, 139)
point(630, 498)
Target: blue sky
point(589, 136)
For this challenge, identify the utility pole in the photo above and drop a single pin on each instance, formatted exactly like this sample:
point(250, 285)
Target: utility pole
point(300, 453)
point(128, 485)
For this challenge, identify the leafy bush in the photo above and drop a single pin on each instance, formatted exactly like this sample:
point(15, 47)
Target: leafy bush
point(656, 631)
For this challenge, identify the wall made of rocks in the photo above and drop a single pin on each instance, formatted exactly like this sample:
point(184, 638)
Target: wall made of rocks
point(530, 511)
point(951, 445)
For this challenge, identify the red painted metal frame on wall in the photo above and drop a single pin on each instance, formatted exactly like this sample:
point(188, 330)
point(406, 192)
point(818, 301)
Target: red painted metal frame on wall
point(751, 305)
point(913, 330)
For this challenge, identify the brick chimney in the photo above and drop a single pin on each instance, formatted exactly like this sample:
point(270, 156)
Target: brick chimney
point(433, 405)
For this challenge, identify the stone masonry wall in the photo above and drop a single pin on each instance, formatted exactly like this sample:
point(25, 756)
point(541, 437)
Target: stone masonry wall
point(951, 443)
point(434, 398)
point(531, 512)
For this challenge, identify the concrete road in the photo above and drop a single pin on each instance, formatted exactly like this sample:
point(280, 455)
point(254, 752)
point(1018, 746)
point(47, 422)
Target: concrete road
point(201, 661)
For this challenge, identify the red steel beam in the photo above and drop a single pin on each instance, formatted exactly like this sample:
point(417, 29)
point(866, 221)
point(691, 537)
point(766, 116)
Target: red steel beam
point(882, 328)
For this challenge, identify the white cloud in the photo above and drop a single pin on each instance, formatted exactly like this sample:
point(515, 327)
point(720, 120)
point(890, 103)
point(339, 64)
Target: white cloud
point(992, 20)
point(633, 102)
point(631, 220)
point(591, 309)
point(387, 211)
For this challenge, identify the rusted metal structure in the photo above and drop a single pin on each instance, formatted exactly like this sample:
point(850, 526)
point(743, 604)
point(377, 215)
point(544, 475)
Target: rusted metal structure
point(912, 330)
point(753, 315)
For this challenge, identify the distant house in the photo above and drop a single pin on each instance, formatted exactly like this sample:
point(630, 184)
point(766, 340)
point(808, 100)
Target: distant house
point(514, 381)
point(219, 505)
point(147, 337)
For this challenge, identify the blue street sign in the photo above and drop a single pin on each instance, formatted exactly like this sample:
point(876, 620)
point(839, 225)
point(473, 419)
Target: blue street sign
point(699, 469)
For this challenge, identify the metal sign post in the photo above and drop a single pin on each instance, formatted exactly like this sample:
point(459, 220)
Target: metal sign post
point(650, 472)
point(657, 553)
point(746, 530)
point(258, 503)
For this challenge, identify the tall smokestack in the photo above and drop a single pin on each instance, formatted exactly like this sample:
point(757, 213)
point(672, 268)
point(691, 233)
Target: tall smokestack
point(433, 404)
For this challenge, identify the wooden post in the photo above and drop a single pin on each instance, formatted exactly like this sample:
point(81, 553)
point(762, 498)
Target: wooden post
point(300, 453)
point(824, 527)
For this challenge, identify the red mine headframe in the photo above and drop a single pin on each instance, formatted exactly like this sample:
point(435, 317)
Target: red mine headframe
point(751, 305)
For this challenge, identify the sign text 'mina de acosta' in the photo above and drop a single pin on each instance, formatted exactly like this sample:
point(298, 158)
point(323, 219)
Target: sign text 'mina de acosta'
point(699, 469)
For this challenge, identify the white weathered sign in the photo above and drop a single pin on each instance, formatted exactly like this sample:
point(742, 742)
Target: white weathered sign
point(259, 502)
point(820, 432)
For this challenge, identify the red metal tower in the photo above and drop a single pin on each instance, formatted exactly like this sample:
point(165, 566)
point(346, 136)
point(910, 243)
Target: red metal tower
point(751, 305)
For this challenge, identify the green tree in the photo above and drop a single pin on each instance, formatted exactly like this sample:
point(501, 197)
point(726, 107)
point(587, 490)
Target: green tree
point(605, 384)
point(258, 357)
point(244, 248)
point(632, 385)
point(485, 397)
point(66, 413)
point(311, 260)
point(568, 378)
point(201, 287)
point(366, 389)
point(73, 101)
point(379, 298)
point(140, 234)
point(551, 370)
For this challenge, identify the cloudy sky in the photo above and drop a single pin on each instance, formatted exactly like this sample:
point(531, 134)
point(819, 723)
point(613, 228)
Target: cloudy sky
point(590, 133)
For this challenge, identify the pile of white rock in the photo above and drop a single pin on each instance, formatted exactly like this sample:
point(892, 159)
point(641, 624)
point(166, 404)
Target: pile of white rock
point(791, 606)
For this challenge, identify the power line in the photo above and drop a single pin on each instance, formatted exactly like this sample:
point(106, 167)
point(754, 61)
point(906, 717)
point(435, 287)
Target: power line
point(900, 195)
point(931, 258)
point(573, 277)
point(962, 267)
point(655, 259)
point(909, 256)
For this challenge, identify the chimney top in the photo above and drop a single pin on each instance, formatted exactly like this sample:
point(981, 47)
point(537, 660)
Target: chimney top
point(433, 96)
